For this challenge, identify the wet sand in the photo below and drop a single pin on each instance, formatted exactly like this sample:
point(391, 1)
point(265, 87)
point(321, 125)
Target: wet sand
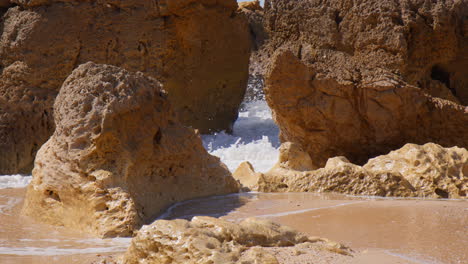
point(382, 230)
point(23, 240)
point(378, 230)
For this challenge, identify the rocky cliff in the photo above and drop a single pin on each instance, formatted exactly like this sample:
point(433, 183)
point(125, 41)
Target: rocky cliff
point(199, 50)
point(359, 79)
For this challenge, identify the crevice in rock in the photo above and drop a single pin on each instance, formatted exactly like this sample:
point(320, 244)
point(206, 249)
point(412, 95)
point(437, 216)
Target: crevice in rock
point(441, 193)
point(157, 137)
point(53, 195)
point(338, 18)
point(439, 74)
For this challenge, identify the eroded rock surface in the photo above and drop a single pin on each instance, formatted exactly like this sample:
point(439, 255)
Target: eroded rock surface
point(359, 79)
point(118, 156)
point(246, 176)
point(259, 36)
point(199, 50)
point(211, 240)
point(412, 171)
point(432, 170)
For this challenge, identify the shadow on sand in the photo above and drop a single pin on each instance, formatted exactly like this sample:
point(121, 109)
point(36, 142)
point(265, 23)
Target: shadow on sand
point(214, 206)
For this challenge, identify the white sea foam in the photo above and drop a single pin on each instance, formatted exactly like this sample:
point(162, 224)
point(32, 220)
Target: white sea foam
point(14, 181)
point(254, 139)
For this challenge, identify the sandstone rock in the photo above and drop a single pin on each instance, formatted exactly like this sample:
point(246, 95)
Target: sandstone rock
point(251, 5)
point(254, 13)
point(339, 175)
point(199, 50)
point(247, 177)
point(258, 35)
point(118, 156)
point(423, 171)
point(431, 169)
point(359, 79)
point(211, 240)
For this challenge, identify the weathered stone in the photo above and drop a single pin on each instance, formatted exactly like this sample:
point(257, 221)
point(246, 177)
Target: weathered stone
point(211, 240)
point(359, 79)
point(433, 170)
point(118, 156)
point(339, 175)
point(423, 171)
point(258, 35)
point(247, 177)
point(199, 50)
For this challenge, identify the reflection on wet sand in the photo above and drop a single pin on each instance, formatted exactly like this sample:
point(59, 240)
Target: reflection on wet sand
point(25, 241)
point(382, 230)
point(412, 231)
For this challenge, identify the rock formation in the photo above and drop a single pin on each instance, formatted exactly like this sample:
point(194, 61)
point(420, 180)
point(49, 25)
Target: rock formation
point(247, 177)
point(258, 35)
point(199, 50)
point(432, 170)
point(359, 79)
point(211, 240)
point(118, 156)
point(412, 171)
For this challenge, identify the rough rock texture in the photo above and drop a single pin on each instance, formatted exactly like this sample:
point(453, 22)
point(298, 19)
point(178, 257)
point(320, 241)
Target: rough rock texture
point(254, 13)
point(199, 50)
point(258, 34)
point(412, 171)
point(292, 174)
point(247, 177)
point(211, 240)
point(362, 78)
point(431, 169)
point(118, 156)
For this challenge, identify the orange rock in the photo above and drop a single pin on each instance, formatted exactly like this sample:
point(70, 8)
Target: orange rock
point(118, 156)
point(199, 50)
point(359, 79)
point(412, 171)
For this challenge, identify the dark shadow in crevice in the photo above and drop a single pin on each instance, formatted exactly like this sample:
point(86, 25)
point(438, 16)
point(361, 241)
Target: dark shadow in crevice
point(439, 74)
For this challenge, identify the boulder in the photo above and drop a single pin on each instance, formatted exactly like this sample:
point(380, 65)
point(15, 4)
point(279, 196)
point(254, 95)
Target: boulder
point(199, 50)
point(433, 170)
point(412, 171)
point(210, 240)
point(359, 79)
point(118, 156)
point(247, 177)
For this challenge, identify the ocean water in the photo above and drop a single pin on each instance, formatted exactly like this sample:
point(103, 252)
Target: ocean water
point(14, 181)
point(254, 139)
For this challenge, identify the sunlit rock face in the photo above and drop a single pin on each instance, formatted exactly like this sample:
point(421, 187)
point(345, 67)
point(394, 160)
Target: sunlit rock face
point(199, 50)
point(360, 79)
point(118, 157)
point(433, 170)
point(212, 240)
point(412, 171)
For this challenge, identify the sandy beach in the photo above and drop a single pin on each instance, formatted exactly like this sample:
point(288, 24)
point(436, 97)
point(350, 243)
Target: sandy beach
point(378, 230)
